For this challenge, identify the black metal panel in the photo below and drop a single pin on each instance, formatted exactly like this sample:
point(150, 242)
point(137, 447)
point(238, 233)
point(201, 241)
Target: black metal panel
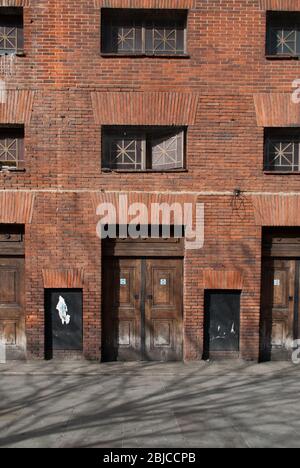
point(64, 327)
point(222, 321)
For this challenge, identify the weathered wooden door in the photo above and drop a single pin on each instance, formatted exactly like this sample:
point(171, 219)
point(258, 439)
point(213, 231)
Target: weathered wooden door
point(280, 301)
point(12, 320)
point(121, 324)
point(163, 310)
point(142, 309)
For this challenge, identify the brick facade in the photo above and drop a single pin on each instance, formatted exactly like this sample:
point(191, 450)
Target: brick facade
point(63, 90)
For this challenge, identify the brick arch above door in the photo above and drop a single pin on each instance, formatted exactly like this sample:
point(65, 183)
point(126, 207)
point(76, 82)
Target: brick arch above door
point(178, 4)
point(222, 279)
point(276, 110)
point(276, 210)
point(63, 278)
point(15, 3)
point(16, 207)
point(280, 5)
point(150, 200)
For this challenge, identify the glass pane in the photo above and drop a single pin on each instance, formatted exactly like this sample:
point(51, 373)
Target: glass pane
point(9, 151)
point(126, 39)
point(11, 37)
point(284, 41)
point(164, 39)
point(8, 38)
point(282, 155)
point(167, 152)
point(123, 153)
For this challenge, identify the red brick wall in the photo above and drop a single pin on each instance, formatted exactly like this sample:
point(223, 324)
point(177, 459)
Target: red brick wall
point(226, 68)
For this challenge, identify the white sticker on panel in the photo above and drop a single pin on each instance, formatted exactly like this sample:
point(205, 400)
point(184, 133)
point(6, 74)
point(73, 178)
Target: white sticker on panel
point(62, 309)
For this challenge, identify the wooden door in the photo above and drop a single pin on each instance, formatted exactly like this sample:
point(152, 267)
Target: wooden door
point(279, 303)
point(121, 336)
point(142, 309)
point(12, 320)
point(163, 310)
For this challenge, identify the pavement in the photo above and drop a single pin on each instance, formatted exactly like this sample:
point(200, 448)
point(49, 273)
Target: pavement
point(149, 405)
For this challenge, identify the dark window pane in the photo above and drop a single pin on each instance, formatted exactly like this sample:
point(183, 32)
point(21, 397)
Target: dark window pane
point(284, 41)
point(283, 34)
point(123, 152)
point(164, 39)
point(126, 39)
point(11, 30)
point(11, 147)
point(282, 151)
point(142, 148)
point(153, 32)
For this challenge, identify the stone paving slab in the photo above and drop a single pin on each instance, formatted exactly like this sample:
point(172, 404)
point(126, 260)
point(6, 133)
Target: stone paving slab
point(77, 404)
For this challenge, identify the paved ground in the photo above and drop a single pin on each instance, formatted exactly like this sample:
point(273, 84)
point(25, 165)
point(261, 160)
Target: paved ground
point(149, 405)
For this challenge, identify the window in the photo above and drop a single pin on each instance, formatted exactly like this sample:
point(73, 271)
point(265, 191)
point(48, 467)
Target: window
point(11, 148)
point(283, 34)
point(141, 149)
point(144, 32)
point(11, 30)
point(282, 150)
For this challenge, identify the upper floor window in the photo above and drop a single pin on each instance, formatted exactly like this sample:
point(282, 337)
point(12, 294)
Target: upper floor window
point(283, 34)
point(143, 148)
point(144, 32)
point(11, 30)
point(282, 150)
point(11, 147)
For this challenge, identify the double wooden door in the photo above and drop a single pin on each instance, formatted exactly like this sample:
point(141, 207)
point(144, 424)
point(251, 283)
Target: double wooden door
point(142, 309)
point(280, 308)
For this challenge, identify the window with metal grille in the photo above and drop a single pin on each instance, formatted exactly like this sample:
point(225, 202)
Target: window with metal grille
point(283, 34)
point(11, 148)
point(144, 32)
point(142, 149)
point(11, 30)
point(282, 150)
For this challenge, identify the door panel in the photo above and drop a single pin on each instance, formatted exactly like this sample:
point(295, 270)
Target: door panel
point(12, 320)
point(222, 322)
point(278, 308)
point(163, 310)
point(63, 320)
point(142, 309)
point(121, 335)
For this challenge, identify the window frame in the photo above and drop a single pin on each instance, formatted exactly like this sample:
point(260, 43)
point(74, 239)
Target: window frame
point(282, 19)
point(137, 17)
point(16, 132)
point(13, 15)
point(146, 134)
point(279, 135)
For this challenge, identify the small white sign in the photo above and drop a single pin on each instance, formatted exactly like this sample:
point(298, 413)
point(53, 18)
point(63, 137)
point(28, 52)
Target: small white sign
point(163, 282)
point(123, 281)
point(276, 282)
